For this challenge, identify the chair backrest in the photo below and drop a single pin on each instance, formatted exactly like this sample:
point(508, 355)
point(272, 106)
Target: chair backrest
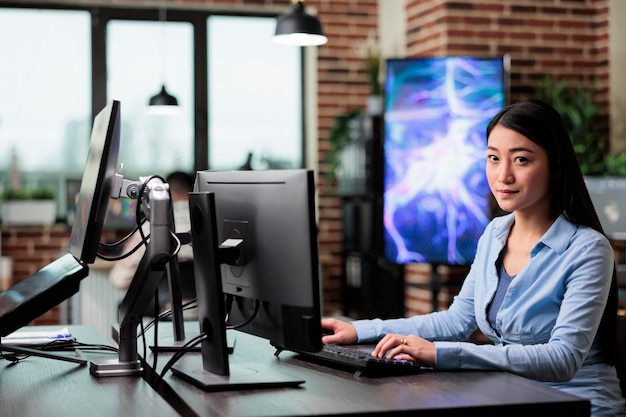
point(621, 360)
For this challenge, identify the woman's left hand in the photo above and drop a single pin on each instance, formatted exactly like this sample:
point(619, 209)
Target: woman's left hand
point(411, 348)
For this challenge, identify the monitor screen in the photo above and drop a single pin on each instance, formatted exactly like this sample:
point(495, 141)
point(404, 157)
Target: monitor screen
point(96, 184)
point(608, 195)
point(436, 200)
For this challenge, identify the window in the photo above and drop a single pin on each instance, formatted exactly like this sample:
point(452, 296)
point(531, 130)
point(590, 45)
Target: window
point(244, 96)
point(255, 96)
point(45, 96)
point(141, 57)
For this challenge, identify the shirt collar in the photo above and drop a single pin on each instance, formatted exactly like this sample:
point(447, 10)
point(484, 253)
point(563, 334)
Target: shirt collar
point(559, 234)
point(556, 237)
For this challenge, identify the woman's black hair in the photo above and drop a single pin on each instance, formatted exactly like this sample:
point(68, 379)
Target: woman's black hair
point(542, 124)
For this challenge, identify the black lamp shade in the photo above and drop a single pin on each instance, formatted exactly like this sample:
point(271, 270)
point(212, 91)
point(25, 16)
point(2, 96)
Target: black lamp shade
point(299, 28)
point(163, 99)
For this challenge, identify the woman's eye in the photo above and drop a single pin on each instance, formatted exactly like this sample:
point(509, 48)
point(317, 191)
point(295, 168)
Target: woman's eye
point(492, 158)
point(521, 159)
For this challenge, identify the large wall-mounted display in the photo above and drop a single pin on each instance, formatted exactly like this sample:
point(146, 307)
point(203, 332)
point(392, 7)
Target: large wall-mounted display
point(436, 197)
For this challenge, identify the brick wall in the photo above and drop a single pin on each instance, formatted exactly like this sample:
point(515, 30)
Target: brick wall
point(342, 86)
point(564, 38)
point(31, 248)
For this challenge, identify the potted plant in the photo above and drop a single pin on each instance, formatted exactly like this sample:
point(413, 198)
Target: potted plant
point(344, 129)
point(579, 110)
point(369, 51)
point(35, 206)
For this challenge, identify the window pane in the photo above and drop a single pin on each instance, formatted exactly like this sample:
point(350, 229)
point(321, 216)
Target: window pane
point(45, 95)
point(255, 95)
point(141, 57)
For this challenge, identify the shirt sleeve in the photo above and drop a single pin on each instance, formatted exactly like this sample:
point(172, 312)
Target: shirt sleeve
point(455, 323)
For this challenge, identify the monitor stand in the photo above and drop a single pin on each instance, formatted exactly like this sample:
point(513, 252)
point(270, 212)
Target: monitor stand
point(249, 375)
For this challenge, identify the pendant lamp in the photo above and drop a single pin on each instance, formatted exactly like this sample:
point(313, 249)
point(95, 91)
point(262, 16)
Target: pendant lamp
point(162, 103)
point(163, 99)
point(299, 28)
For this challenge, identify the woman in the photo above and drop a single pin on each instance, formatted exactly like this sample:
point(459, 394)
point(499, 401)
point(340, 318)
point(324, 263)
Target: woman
point(542, 286)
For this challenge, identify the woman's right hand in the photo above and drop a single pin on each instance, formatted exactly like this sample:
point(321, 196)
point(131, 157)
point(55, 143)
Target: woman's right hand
point(343, 332)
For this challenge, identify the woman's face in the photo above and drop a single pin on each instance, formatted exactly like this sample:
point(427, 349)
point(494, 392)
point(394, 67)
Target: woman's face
point(518, 172)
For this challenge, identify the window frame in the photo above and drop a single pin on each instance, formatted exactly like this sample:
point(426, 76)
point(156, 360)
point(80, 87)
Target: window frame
point(101, 15)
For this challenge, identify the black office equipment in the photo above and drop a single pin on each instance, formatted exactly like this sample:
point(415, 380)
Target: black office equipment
point(359, 359)
point(96, 184)
point(255, 249)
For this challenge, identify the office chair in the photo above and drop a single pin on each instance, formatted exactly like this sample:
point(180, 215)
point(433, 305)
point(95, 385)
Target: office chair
point(621, 360)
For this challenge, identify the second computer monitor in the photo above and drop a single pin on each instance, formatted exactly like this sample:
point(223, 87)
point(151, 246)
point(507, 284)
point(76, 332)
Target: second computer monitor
point(96, 183)
point(275, 282)
point(608, 195)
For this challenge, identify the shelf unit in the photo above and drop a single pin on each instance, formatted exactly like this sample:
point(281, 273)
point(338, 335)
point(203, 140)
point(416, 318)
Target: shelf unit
point(371, 287)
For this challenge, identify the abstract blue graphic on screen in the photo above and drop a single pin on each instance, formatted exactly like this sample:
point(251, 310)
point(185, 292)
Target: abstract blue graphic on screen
point(436, 195)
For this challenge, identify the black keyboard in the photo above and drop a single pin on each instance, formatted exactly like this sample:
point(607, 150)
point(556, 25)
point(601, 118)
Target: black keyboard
point(359, 360)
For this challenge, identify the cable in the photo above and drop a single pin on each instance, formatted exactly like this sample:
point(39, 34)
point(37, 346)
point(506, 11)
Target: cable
point(59, 346)
point(167, 313)
point(12, 357)
point(257, 306)
point(143, 338)
point(156, 329)
point(125, 238)
point(178, 246)
point(184, 349)
point(127, 254)
point(228, 304)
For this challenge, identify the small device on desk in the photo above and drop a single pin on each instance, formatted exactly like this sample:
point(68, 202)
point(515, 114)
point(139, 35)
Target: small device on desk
point(38, 338)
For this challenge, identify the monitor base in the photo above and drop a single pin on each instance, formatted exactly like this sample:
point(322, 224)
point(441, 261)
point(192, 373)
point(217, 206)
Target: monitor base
point(115, 367)
point(250, 375)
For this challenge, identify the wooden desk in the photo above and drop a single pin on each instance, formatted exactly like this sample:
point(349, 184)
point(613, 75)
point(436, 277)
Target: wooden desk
point(51, 388)
point(46, 387)
point(333, 392)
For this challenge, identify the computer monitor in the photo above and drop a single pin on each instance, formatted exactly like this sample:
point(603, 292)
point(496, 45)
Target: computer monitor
point(96, 184)
point(608, 195)
point(59, 280)
point(267, 219)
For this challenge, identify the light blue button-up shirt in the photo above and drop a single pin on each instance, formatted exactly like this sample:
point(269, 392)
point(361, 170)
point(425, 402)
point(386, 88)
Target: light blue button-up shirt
point(546, 324)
